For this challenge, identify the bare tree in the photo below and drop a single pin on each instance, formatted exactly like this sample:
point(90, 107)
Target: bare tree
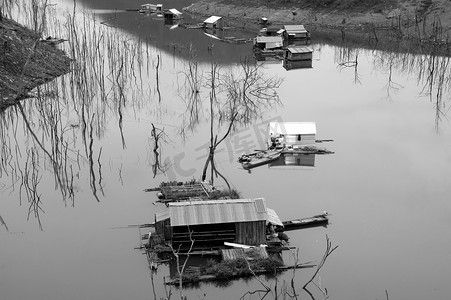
point(236, 98)
point(327, 253)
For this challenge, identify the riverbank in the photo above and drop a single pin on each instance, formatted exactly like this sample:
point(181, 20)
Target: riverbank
point(412, 18)
point(26, 61)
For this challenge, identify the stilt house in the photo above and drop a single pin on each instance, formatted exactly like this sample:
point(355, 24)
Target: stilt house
point(172, 14)
point(214, 22)
point(210, 223)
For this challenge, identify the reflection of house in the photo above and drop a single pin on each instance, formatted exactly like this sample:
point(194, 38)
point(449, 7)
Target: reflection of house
point(214, 22)
point(268, 42)
point(292, 134)
point(294, 160)
point(172, 14)
point(213, 222)
point(295, 32)
point(298, 53)
point(151, 8)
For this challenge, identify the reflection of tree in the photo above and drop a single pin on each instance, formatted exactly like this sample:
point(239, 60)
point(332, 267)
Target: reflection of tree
point(67, 116)
point(348, 58)
point(156, 135)
point(191, 91)
point(236, 98)
point(429, 65)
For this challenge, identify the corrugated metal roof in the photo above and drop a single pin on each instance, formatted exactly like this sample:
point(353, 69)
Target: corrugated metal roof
point(273, 218)
point(175, 12)
point(214, 211)
point(276, 128)
point(162, 215)
point(269, 39)
point(295, 29)
point(212, 19)
point(300, 49)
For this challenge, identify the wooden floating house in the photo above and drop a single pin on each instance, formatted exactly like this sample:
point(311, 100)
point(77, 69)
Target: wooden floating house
point(172, 14)
point(298, 53)
point(291, 134)
point(149, 8)
point(294, 32)
point(210, 223)
point(214, 22)
point(268, 43)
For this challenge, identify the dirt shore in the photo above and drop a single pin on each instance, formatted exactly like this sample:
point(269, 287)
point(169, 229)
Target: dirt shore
point(26, 61)
point(408, 11)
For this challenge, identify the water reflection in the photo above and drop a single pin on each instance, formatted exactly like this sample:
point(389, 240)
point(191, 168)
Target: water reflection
point(158, 136)
point(294, 160)
point(67, 116)
point(431, 71)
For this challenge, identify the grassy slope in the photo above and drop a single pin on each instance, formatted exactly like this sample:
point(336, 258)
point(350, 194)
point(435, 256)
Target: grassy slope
point(331, 13)
point(353, 5)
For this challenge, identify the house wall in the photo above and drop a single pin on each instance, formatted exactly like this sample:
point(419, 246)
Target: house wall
point(251, 233)
point(208, 236)
point(295, 35)
point(299, 56)
point(163, 228)
point(299, 139)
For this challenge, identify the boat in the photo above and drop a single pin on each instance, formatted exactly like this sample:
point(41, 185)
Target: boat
point(306, 150)
point(259, 158)
point(318, 220)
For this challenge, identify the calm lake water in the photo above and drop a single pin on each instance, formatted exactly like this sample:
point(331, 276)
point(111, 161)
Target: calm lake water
point(386, 187)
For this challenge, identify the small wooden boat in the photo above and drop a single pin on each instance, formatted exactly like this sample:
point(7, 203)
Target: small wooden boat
point(318, 220)
point(259, 158)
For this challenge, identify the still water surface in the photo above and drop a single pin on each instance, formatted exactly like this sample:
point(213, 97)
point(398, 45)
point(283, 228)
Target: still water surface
point(386, 186)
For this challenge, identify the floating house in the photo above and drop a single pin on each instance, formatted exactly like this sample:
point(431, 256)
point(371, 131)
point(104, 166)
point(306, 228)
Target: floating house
point(268, 42)
point(298, 53)
point(210, 223)
point(172, 14)
point(151, 8)
point(273, 30)
point(291, 134)
point(292, 32)
point(214, 22)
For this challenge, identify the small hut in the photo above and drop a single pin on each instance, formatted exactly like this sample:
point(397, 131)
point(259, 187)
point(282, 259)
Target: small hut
point(214, 22)
point(293, 32)
point(151, 8)
point(210, 223)
point(172, 14)
point(292, 134)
